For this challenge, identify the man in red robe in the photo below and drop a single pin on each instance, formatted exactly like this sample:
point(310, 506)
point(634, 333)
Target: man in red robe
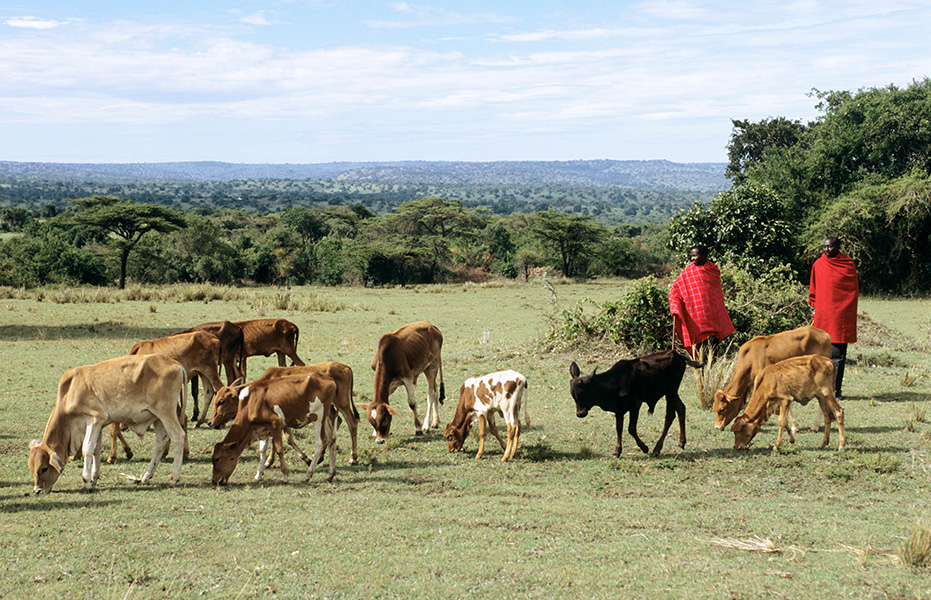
point(696, 302)
point(833, 293)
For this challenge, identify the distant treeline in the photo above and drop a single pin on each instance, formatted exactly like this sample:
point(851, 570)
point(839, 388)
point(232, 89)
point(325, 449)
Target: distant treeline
point(611, 205)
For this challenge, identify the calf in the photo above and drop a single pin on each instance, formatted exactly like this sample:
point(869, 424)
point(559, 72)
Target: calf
point(630, 383)
point(198, 352)
point(757, 354)
point(267, 407)
point(140, 391)
point(479, 399)
point(263, 337)
point(401, 357)
point(226, 403)
point(797, 379)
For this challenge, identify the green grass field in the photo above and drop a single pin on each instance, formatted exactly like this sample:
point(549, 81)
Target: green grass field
point(564, 519)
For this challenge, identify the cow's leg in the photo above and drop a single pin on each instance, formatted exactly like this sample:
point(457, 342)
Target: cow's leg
point(632, 430)
point(210, 390)
point(353, 423)
point(412, 402)
point(783, 418)
point(330, 431)
point(318, 448)
point(494, 430)
point(281, 361)
point(619, 428)
point(278, 448)
point(292, 354)
point(513, 436)
point(671, 410)
point(289, 438)
point(194, 391)
point(242, 367)
point(432, 418)
point(117, 436)
point(482, 423)
point(162, 441)
point(265, 459)
point(90, 447)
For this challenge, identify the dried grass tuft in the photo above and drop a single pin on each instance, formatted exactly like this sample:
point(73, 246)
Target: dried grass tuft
point(754, 544)
point(916, 550)
point(713, 376)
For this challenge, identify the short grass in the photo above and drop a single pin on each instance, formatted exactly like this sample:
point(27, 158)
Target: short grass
point(562, 520)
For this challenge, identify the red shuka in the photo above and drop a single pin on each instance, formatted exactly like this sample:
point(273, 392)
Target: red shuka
point(833, 292)
point(697, 299)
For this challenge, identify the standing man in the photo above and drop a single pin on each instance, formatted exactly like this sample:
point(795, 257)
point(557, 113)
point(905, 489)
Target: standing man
point(833, 293)
point(696, 302)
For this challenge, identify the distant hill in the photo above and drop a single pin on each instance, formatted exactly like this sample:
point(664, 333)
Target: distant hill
point(637, 174)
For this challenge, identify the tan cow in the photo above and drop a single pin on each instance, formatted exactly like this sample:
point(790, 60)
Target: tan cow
point(797, 379)
point(758, 353)
point(401, 357)
point(479, 399)
point(198, 352)
point(264, 337)
point(140, 391)
point(266, 408)
point(226, 403)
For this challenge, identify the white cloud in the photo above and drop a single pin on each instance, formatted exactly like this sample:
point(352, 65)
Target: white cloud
point(33, 23)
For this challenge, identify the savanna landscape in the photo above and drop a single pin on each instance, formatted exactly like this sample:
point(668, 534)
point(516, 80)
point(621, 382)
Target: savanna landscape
point(563, 519)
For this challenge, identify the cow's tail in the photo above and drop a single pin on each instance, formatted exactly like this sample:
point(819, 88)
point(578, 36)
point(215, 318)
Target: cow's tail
point(442, 385)
point(352, 404)
point(523, 400)
point(183, 399)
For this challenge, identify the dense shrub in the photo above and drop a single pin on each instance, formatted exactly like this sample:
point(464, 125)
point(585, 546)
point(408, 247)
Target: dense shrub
point(641, 322)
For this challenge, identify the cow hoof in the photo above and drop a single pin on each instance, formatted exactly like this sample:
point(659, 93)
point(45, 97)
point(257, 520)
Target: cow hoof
point(129, 455)
point(418, 432)
point(353, 461)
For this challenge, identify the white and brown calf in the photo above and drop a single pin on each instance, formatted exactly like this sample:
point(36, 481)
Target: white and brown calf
point(480, 398)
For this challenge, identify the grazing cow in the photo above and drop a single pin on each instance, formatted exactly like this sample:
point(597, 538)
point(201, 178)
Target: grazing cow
point(630, 383)
point(231, 346)
point(479, 399)
point(267, 407)
point(758, 353)
point(226, 403)
point(199, 353)
point(262, 337)
point(797, 379)
point(140, 391)
point(401, 357)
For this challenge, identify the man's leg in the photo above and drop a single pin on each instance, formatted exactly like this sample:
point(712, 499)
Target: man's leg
point(839, 358)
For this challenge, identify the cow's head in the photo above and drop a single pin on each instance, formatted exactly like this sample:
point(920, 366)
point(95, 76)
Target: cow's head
point(226, 404)
point(379, 415)
point(46, 465)
point(456, 436)
point(726, 408)
point(744, 431)
point(225, 459)
point(582, 392)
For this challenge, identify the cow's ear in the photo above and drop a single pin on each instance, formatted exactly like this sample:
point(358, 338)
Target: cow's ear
point(574, 370)
point(34, 444)
point(392, 411)
point(55, 461)
point(238, 381)
point(595, 370)
point(362, 406)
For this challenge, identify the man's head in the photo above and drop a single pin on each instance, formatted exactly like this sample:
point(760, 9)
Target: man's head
point(698, 255)
point(830, 247)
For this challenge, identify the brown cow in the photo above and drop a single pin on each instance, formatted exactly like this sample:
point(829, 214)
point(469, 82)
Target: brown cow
point(758, 353)
point(231, 346)
point(401, 357)
point(141, 391)
point(797, 379)
point(198, 352)
point(262, 337)
point(267, 407)
point(479, 399)
point(226, 403)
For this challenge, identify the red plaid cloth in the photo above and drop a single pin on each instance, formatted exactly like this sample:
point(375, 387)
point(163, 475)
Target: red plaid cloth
point(697, 299)
point(835, 287)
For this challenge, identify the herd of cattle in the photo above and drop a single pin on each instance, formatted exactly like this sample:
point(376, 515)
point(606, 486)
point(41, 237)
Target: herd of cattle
point(148, 388)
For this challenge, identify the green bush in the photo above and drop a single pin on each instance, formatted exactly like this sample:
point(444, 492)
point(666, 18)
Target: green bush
point(641, 322)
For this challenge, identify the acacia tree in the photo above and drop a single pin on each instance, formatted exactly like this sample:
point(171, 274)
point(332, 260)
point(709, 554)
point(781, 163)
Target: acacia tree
point(569, 237)
point(125, 222)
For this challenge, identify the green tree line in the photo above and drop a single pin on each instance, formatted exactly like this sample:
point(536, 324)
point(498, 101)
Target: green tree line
point(104, 240)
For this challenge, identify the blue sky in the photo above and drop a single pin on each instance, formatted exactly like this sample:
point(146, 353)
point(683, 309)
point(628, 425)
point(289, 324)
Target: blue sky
point(340, 80)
